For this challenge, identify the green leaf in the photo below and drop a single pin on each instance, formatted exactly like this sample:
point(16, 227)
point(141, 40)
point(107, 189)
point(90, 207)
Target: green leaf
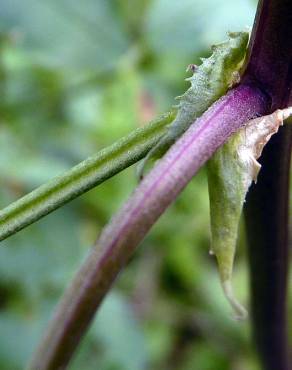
point(230, 173)
point(227, 193)
point(209, 82)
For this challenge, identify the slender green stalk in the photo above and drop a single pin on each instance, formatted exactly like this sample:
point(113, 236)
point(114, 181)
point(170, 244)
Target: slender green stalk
point(83, 177)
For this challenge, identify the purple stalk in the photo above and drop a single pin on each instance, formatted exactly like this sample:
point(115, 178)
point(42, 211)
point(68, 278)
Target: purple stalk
point(267, 220)
point(122, 235)
point(270, 66)
point(270, 61)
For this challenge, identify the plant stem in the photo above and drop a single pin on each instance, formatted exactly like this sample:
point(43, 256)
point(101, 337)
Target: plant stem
point(81, 178)
point(122, 235)
point(267, 220)
point(270, 60)
point(270, 65)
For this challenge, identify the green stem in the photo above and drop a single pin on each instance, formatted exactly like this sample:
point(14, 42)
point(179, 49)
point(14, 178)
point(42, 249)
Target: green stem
point(83, 177)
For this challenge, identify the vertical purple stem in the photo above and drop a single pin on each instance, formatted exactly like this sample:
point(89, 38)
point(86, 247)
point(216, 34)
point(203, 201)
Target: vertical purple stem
point(270, 65)
point(122, 235)
point(267, 220)
point(270, 60)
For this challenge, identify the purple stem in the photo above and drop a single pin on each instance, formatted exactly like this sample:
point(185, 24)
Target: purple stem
point(122, 235)
point(267, 220)
point(270, 65)
point(270, 61)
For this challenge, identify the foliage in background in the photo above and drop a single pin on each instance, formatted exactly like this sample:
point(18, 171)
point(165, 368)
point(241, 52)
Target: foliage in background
point(75, 77)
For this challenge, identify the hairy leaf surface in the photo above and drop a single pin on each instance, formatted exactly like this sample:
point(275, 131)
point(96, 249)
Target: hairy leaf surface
point(209, 82)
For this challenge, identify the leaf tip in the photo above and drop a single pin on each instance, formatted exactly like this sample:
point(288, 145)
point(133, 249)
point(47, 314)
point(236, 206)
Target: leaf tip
point(240, 312)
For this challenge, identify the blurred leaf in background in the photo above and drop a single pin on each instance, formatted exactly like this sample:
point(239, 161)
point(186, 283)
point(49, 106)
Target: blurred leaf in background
point(74, 77)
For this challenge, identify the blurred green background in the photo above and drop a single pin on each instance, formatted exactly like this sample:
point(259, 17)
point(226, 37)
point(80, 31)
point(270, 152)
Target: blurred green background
point(74, 77)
